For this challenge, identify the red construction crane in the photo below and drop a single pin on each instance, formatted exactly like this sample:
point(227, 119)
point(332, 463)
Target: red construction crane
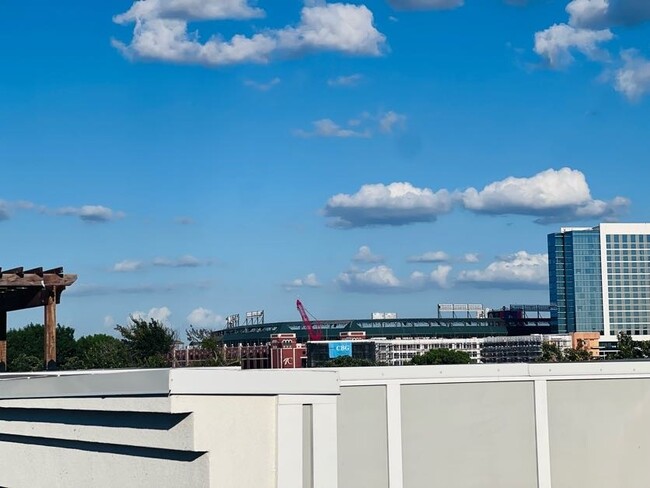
point(314, 333)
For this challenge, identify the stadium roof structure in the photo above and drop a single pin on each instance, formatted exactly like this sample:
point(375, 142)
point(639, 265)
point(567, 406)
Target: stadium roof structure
point(21, 289)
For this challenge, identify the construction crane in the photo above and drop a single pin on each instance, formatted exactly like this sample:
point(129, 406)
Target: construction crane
point(314, 333)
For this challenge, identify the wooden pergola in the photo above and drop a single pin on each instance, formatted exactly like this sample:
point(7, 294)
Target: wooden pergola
point(21, 289)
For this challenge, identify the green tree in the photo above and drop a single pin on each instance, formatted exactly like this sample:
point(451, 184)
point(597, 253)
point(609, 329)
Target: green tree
point(551, 353)
point(628, 348)
point(578, 354)
point(346, 362)
point(28, 341)
point(148, 344)
point(442, 356)
point(207, 340)
point(101, 351)
point(26, 363)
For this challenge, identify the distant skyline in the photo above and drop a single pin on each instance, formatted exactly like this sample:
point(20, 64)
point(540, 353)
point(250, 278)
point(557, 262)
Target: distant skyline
point(191, 159)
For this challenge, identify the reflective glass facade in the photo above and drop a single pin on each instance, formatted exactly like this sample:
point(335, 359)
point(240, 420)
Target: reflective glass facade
point(575, 280)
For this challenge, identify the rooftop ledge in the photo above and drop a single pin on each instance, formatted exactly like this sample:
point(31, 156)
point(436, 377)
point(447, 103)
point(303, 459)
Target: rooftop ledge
point(321, 381)
point(167, 382)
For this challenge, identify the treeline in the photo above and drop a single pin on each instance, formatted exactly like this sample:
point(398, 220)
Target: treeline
point(141, 344)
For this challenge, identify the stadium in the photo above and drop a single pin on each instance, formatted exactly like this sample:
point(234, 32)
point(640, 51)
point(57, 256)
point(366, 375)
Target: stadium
point(514, 320)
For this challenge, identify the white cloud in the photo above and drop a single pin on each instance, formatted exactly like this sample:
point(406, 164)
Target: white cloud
point(365, 255)
point(90, 213)
point(8, 207)
point(377, 278)
point(161, 314)
point(127, 266)
point(437, 278)
point(362, 126)
point(262, 86)
point(350, 80)
point(429, 257)
point(425, 4)
point(393, 204)
point(189, 10)
point(109, 322)
point(598, 14)
point(339, 27)
point(519, 270)
point(556, 44)
point(186, 261)
point(389, 120)
point(329, 128)
point(162, 34)
point(382, 279)
point(309, 281)
point(203, 317)
point(633, 79)
point(471, 257)
point(552, 195)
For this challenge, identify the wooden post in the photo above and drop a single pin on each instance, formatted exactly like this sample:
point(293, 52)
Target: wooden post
point(50, 330)
point(3, 341)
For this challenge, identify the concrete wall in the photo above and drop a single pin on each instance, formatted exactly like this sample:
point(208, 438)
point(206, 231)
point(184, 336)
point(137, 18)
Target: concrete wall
point(474, 426)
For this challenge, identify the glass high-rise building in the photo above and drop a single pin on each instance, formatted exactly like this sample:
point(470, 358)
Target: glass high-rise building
point(600, 279)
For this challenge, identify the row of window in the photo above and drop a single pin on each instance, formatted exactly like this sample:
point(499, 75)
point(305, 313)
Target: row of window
point(627, 238)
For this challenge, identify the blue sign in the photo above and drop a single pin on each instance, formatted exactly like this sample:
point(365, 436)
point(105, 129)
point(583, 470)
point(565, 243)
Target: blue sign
point(340, 348)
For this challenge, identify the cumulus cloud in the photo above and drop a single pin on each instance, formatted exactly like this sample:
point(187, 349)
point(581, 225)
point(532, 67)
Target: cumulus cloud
point(203, 317)
point(557, 43)
point(91, 213)
point(552, 195)
point(189, 10)
point(425, 4)
point(429, 257)
point(329, 128)
point(471, 257)
point(633, 78)
point(437, 278)
point(599, 14)
point(377, 278)
point(365, 255)
point(127, 266)
point(109, 322)
point(262, 86)
point(349, 80)
point(161, 33)
point(390, 120)
point(393, 204)
point(161, 314)
point(382, 279)
point(519, 270)
point(309, 281)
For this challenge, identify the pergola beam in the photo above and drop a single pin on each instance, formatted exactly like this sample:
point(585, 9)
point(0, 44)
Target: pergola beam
point(21, 290)
point(3, 342)
point(44, 280)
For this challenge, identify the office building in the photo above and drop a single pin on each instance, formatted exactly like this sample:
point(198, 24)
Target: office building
point(600, 279)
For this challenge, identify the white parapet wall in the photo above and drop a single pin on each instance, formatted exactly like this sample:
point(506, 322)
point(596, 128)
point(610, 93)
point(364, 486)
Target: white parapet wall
point(471, 426)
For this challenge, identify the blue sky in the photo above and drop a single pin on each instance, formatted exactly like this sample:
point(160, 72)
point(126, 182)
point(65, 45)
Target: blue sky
point(193, 159)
